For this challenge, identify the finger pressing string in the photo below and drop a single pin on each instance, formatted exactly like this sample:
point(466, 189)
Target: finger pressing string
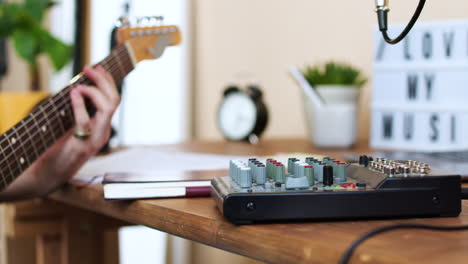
point(82, 127)
point(81, 134)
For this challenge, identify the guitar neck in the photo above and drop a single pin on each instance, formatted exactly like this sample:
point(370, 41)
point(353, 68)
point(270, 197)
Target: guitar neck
point(22, 144)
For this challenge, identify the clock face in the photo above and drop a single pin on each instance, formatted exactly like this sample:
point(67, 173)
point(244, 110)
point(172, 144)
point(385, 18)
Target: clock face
point(237, 116)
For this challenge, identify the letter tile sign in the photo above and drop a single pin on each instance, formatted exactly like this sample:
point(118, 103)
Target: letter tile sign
point(420, 89)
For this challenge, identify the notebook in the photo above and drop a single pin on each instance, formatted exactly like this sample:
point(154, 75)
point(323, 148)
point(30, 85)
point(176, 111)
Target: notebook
point(159, 184)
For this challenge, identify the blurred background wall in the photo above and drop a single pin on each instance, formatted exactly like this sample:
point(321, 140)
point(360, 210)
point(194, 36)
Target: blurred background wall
point(241, 41)
point(256, 41)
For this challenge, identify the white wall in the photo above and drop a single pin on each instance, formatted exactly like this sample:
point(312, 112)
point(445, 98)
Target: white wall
point(264, 37)
point(63, 26)
point(155, 104)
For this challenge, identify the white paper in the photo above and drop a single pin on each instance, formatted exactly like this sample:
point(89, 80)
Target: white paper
point(146, 160)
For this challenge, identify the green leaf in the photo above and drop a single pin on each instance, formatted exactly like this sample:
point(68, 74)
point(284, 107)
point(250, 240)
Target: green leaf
point(8, 18)
point(58, 52)
point(334, 73)
point(36, 8)
point(26, 46)
point(22, 22)
point(14, 17)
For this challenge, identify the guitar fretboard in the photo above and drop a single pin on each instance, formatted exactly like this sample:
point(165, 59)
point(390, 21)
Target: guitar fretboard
point(21, 145)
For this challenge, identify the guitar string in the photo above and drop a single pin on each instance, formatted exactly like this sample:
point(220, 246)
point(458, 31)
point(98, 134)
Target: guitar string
point(42, 121)
point(17, 168)
point(61, 100)
point(60, 95)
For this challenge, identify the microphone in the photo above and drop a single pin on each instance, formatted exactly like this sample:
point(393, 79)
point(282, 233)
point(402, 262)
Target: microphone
point(381, 8)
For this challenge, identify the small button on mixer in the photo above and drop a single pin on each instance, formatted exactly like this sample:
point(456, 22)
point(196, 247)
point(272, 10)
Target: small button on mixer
point(251, 206)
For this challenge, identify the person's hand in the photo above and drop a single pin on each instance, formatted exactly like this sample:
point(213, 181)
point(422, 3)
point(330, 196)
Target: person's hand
point(63, 159)
point(91, 134)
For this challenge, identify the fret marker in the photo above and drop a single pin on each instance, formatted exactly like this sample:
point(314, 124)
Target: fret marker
point(13, 140)
point(62, 113)
point(44, 128)
point(22, 160)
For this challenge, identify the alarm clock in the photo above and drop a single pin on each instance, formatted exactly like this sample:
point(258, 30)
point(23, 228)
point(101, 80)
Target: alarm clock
point(242, 115)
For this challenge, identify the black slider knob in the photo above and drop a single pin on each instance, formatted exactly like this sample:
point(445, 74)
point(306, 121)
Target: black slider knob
point(363, 160)
point(327, 175)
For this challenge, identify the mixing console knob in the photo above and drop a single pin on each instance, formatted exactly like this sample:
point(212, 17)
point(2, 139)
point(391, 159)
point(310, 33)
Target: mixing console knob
point(406, 171)
point(297, 183)
point(363, 160)
point(245, 180)
point(297, 165)
point(327, 175)
point(309, 160)
point(301, 169)
point(318, 171)
point(309, 173)
point(291, 162)
point(260, 174)
point(279, 173)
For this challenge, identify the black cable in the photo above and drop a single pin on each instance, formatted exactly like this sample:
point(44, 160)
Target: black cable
point(349, 252)
point(382, 20)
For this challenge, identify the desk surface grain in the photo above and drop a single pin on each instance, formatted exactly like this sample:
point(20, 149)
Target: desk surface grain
point(299, 242)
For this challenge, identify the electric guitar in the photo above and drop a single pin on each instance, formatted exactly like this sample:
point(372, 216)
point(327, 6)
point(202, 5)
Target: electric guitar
point(22, 144)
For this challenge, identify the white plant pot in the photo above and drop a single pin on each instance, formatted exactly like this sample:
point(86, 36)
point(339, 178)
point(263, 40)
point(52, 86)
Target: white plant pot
point(330, 112)
point(338, 94)
point(332, 124)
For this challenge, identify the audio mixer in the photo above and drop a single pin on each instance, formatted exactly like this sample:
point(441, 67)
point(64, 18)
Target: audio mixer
point(268, 190)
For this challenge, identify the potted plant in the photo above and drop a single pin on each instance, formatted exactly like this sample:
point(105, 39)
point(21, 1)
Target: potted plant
point(330, 99)
point(335, 82)
point(22, 23)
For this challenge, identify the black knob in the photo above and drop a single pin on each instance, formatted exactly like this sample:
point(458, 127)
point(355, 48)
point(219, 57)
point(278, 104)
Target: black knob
point(361, 185)
point(363, 160)
point(251, 206)
point(327, 175)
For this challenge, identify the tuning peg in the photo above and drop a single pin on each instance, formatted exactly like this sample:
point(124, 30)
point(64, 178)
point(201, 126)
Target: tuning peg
point(159, 20)
point(123, 22)
point(142, 21)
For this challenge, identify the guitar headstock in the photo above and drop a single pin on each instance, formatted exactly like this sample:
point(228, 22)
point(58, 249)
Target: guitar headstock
point(148, 39)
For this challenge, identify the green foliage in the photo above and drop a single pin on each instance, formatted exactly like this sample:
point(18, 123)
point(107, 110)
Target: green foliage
point(332, 73)
point(22, 22)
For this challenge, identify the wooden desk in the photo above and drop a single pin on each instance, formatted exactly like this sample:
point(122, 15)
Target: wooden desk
point(198, 219)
